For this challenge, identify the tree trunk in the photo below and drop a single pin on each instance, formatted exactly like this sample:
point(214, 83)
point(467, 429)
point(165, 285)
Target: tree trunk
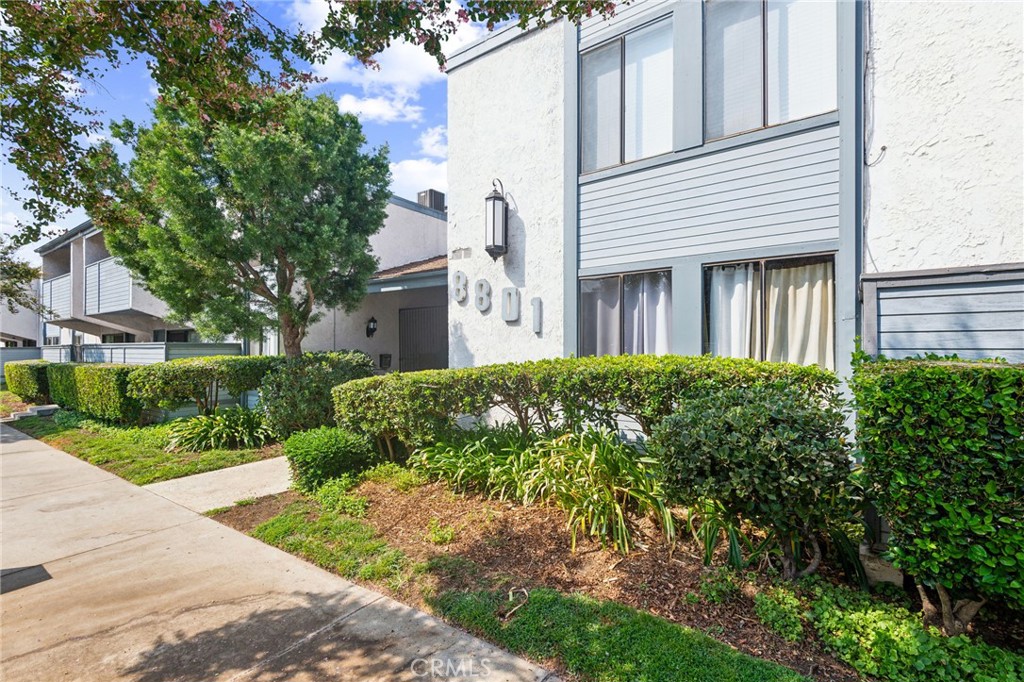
point(956, 616)
point(291, 336)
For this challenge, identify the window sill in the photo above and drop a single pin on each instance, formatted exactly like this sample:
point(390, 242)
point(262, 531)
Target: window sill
point(715, 146)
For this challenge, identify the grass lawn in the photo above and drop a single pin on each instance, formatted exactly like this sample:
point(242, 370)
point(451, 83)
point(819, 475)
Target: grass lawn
point(10, 403)
point(136, 454)
point(592, 639)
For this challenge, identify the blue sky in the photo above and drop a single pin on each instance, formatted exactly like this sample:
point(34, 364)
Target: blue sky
point(403, 105)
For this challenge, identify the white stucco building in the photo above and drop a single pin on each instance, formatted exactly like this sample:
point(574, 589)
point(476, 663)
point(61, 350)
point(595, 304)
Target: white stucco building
point(758, 179)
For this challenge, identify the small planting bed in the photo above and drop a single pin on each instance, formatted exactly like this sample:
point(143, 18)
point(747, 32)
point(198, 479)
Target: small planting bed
point(473, 560)
point(137, 454)
point(10, 403)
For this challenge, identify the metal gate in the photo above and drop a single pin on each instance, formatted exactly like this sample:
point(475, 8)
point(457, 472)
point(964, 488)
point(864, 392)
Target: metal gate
point(423, 338)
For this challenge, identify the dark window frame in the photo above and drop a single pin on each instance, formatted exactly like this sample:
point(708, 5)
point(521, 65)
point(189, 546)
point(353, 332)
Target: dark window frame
point(621, 41)
point(764, 264)
point(622, 296)
point(764, 78)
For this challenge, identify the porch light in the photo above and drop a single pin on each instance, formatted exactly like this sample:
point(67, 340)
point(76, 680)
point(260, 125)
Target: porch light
point(496, 218)
point(371, 327)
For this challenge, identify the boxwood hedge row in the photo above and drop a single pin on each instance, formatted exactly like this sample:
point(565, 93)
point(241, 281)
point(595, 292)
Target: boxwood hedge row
point(943, 448)
point(177, 383)
point(97, 389)
point(408, 409)
point(27, 380)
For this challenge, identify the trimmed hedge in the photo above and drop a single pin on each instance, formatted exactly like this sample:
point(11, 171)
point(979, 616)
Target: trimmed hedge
point(944, 455)
point(326, 453)
point(27, 380)
point(545, 396)
point(176, 383)
point(296, 395)
point(99, 390)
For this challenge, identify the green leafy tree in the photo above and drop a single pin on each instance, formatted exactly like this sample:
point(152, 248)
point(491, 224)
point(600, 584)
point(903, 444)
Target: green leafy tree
point(16, 277)
point(241, 228)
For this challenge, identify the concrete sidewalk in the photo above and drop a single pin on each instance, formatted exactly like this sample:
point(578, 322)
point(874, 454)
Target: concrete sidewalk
point(104, 580)
point(222, 488)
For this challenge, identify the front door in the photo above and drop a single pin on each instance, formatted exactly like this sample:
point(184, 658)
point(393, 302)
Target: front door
point(423, 338)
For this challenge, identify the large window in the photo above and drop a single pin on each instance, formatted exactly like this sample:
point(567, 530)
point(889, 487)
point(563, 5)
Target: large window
point(626, 98)
point(767, 63)
point(629, 314)
point(779, 310)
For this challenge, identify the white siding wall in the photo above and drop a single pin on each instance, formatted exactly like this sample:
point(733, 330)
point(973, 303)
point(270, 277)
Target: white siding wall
point(505, 120)
point(944, 96)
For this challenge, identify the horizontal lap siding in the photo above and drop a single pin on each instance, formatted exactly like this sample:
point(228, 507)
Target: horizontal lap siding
point(57, 296)
point(777, 192)
point(199, 350)
point(107, 287)
point(123, 353)
point(971, 319)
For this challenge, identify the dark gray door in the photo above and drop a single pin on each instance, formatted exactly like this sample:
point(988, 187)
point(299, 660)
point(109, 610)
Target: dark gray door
point(423, 338)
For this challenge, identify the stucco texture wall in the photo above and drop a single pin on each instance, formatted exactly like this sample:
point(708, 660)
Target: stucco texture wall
point(943, 94)
point(505, 121)
point(407, 236)
point(338, 330)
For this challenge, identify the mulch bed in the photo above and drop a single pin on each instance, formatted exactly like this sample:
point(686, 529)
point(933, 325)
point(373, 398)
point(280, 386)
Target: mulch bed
point(525, 547)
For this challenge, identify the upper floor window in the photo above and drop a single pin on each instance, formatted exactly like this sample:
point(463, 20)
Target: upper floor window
point(767, 63)
point(626, 98)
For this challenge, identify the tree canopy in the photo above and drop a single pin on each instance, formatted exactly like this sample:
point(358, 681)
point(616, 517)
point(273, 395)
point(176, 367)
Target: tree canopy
point(241, 228)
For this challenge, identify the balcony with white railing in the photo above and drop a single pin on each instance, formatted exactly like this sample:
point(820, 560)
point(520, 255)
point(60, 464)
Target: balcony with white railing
point(56, 297)
point(108, 287)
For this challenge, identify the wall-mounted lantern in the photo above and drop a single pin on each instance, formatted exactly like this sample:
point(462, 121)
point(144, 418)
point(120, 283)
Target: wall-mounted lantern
point(371, 327)
point(496, 219)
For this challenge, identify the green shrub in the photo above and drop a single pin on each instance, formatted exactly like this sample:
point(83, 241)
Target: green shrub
point(63, 389)
point(779, 610)
point(199, 381)
point(94, 389)
point(768, 453)
point(296, 395)
point(890, 643)
point(318, 455)
point(408, 409)
point(27, 380)
point(944, 457)
point(335, 496)
point(224, 430)
point(719, 586)
point(496, 461)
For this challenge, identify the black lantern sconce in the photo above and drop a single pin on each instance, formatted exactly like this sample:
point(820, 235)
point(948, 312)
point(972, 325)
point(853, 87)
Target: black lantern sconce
point(371, 327)
point(496, 219)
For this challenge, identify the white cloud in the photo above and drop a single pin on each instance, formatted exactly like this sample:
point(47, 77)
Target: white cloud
point(434, 142)
point(392, 109)
point(402, 69)
point(415, 175)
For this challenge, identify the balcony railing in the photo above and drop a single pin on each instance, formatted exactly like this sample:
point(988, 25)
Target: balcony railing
point(108, 287)
point(56, 296)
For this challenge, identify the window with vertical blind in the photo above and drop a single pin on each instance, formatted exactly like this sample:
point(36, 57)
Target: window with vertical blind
point(626, 314)
point(779, 310)
point(626, 98)
point(767, 62)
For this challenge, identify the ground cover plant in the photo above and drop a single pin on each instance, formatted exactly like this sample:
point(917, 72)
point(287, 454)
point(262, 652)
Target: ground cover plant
point(137, 454)
point(232, 428)
point(944, 458)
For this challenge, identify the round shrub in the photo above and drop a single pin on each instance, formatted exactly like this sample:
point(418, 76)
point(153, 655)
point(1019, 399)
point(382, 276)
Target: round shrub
point(296, 395)
point(769, 453)
point(27, 380)
point(318, 455)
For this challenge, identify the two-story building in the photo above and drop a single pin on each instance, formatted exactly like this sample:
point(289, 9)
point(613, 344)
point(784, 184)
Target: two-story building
point(93, 301)
point(766, 179)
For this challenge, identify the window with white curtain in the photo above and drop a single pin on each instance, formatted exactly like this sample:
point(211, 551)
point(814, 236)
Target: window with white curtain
point(767, 62)
point(626, 314)
point(779, 310)
point(626, 98)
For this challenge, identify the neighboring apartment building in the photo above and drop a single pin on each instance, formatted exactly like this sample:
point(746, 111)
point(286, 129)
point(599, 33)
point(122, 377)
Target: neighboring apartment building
point(752, 179)
point(21, 328)
point(95, 301)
